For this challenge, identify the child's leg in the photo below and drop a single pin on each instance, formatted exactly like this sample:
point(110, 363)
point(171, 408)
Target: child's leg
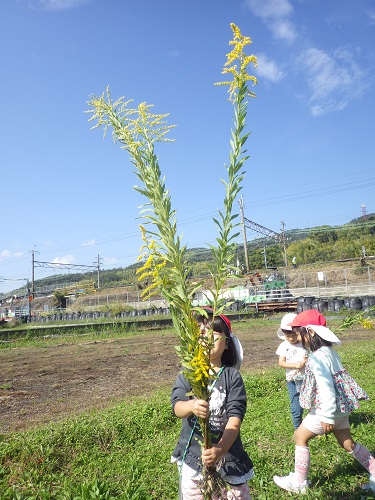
point(358, 451)
point(190, 489)
point(295, 407)
point(238, 492)
point(297, 480)
point(365, 458)
point(302, 452)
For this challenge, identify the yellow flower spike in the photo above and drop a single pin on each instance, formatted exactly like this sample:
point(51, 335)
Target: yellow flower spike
point(239, 70)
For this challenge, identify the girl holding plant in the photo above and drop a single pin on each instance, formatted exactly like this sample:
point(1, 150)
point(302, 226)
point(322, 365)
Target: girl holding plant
point(166, 266)
point(225, 410)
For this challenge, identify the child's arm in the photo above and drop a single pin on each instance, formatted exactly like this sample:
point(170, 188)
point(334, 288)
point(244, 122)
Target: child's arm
point(211, 455)
point(185, 405)
point(297, 365)
point(183, 409)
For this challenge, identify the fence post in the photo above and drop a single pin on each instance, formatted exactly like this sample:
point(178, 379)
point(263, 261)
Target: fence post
point(369, 274)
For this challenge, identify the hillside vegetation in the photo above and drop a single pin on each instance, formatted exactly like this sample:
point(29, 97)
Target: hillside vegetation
point(310, 246)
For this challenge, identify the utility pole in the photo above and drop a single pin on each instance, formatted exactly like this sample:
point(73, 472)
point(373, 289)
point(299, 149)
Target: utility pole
point(284, 242)
point(33, 252)
point(29, 299)
point(98, 267)
point(265, 257)
point(244, 234)
point(32, 273)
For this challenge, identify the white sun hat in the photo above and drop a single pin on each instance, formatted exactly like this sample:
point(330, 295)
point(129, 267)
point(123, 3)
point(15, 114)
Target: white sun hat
point(284, 325)
point(316, 321)
point(238, 349)
point(325, 333)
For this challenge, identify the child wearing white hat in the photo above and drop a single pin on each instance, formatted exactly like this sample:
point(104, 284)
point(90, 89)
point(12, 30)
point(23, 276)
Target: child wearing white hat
point(225, 410)
point(331, 394)
point(292, 357)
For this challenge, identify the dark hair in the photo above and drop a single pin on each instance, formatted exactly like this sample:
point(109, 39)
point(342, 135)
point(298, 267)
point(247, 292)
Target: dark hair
point(315, 341)
point(217, 324)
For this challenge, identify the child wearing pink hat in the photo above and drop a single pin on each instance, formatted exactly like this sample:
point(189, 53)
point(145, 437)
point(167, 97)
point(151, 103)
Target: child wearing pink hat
point(292, 357)
point(331, 394)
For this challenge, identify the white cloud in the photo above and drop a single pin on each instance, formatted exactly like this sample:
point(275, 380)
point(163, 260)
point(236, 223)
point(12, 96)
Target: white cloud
point(88, 243)
point(283, 30)
point(67, 259)
point(275, 14)
point(371, 16)
point(333, 81)
point(56, 4)
point(268, 69)
point(270, 9)
point(5, 253)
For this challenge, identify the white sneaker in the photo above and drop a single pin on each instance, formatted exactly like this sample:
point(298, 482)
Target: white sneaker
point(371, 485)
point(291, 483)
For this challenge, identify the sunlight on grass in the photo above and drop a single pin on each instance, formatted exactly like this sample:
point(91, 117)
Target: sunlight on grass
point(124, 452)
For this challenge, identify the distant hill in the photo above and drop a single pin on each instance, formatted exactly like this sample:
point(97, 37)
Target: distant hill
point(353, 240)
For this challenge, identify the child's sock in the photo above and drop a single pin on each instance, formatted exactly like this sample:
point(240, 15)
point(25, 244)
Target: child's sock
point(301, 462)
point(364, 457)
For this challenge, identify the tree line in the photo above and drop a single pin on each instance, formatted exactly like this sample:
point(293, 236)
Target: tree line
point(322, 243)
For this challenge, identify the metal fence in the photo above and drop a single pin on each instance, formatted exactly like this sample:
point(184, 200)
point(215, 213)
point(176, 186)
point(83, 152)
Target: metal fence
point(129, 299)
point(331, 278)
point(339, 282)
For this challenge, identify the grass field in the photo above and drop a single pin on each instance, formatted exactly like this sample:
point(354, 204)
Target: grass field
point(124, 451)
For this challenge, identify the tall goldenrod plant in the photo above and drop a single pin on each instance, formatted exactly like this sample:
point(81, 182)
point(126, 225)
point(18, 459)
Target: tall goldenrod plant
point(164, 256)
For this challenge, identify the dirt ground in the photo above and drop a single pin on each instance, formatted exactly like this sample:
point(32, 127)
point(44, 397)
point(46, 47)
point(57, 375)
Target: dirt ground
point(39, 385)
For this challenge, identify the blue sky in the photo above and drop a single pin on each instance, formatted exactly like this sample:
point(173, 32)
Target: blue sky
point(67, 193)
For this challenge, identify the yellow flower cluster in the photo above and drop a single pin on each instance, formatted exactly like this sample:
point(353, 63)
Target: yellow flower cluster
point(133, 127)
point(239, 70)
point(151, 270)
point(200, 366)
point(148, 126)
point(367, 323)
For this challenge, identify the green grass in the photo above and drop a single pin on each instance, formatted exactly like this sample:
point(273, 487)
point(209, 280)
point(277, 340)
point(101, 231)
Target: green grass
point(55, 335)
point(124, 452)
